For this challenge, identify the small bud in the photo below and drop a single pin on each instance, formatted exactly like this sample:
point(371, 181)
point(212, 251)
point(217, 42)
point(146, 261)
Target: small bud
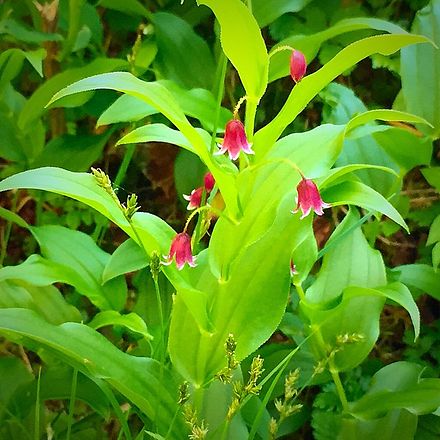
point(155, 265)
point(293, 270)
point(209, 182)
point(183, 393)
point(298, 65)
point(131, 206)
point(194, 199)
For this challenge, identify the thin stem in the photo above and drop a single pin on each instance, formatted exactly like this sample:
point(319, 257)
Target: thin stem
point(37, 408)
point(251, 110)
point(8, 230)
point(225, 429)
point(249, 5)
point(161, 320)
point(173, 420)
point(280, 49)
point(300, 290)
point(338, 383)
point(237, 107)
point(209, 208)
point(220, 92)
point(72, 402)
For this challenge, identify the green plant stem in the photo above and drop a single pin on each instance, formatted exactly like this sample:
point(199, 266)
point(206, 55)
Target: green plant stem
point(301, 293)
point(173, 420)
point(8, 230)
point(249, 5)
point(338, 384)
point(72, 402)
point(249, 121)
point(161, 320)
point(225, 429)
point(37, 408)
point(220, 87)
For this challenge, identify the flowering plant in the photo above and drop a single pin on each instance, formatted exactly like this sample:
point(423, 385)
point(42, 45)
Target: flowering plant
point(231, 287)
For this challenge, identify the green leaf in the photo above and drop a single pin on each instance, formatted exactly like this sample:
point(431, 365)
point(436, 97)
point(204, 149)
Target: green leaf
point(132, 7)
point(436, 256)
point(47, 301)
point(357, 313)
point(420, 276)
point(74, 153)
point(420, 69)
point(242, 43)
point(432, 175)
point(35, 106)
point(340, 264)
point(80, 253)
point(183, 56)
point(160, 98)
point(267, 11)
point(434, 232)
point(141, 380)
point(397, 386)
point(401, 295)
point(197, 103)
point(310, 44)
point(356, 193)
point(311, 85)
point(132, 321)
point(128, 257)
point(22, 33)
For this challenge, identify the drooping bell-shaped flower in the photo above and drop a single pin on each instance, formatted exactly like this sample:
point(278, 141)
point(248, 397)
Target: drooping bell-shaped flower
point(180, 251)
point(209, 182)
point(194, 199)
point(308, 198)
point(298, 65)
point(235, 140)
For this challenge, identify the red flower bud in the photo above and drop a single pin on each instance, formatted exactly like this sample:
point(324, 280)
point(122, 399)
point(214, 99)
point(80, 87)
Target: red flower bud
point(209, 182)
point(309, 198)
point(195, 198)
point(293, 270)
point(298, 65)
point(235, 140)
point(181, 250)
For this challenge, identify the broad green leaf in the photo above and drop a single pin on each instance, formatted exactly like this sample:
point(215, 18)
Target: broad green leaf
point(160, 98)
point(340, 265)
point(22, 33)
point(396, 424)
point(344, 107)
point(401, 295)
point(128, 257)
point(267, 11)
point(420, 276)
point(356, 193)
point(132, 321)
point(434, 232)
point(310, 44)
point(35, 106)
point(239, 302)
point(357, 313)
point(242, 43)
point(436, 256)
point(420, 69)
point(197, 103)
point(418, 396)
point(311, 85)
point(432, 175)
point(74, 153)
point(80, 253)
point(47, 301)
point(132, 7)
point(141, 380)
point(13, 218)
point(126, 108)
point(183, 56)
point(41, 272)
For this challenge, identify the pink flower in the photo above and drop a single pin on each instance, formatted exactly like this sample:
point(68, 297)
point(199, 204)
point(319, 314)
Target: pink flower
point(181, 250)
point(209, 182)
point(309, 198)
point(293, 270)
point(298, 65)
point(195, 198)
point(235, 140)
